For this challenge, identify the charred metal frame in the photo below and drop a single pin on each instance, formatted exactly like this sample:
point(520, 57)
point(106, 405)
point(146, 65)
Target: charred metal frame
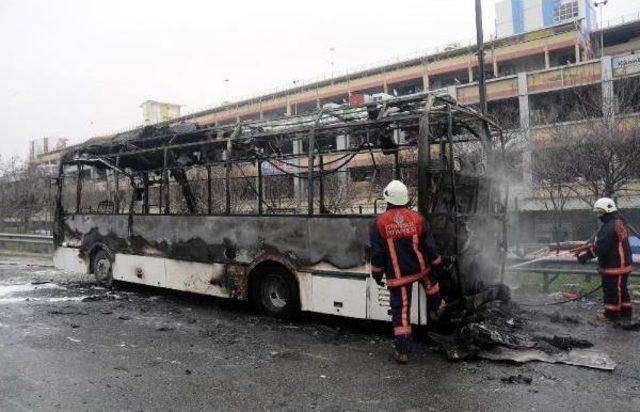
point(425, 109)
point(434, 120)
point(425, 115)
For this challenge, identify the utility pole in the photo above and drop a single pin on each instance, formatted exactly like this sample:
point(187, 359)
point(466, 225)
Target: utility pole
point(485, 134)
point(480, 40)
point(600, 4)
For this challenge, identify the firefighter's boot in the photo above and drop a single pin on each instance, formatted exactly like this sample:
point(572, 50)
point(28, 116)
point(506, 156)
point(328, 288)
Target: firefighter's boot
point(605, 316)
point(401, 351)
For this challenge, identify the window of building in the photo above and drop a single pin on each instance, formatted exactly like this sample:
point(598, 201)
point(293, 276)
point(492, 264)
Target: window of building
point(566, 105)
point(361, 174)
point(566, 11)
point(506, 112)
point(406, 87)
point(627, 95)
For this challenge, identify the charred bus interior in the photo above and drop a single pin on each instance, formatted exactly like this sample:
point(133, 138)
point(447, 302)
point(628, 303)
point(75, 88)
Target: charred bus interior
point(297, 192)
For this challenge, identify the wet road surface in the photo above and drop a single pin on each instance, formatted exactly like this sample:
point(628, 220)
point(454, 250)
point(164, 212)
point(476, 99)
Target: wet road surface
point(66, 344)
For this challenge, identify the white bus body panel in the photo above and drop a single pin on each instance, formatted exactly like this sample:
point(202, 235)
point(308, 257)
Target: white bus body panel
point(339, 296)
point(378, 307)
point(169, 273)
point(69, 260)
point(356, 298)
point(353, 297)
point(144, 270)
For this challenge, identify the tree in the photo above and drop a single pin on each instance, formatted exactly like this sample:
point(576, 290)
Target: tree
point(25, 192)
point(595, 140)
point(553, 176)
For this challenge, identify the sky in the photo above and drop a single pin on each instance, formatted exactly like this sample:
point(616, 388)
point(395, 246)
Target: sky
point(81, 68)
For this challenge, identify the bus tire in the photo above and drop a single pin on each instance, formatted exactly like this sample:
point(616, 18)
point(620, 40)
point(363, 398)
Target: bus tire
point(275, 292)
point(102, 268)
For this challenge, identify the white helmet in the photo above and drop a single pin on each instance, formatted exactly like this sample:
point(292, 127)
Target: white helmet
point(604, 205)
point(396, 193)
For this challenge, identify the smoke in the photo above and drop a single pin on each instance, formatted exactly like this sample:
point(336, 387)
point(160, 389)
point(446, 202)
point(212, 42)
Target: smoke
point(482, 238)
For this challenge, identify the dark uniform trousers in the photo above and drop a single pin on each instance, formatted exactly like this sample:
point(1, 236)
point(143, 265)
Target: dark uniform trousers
point(616, 295)
point(400, 300)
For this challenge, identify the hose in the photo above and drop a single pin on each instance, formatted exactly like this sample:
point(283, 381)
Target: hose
point(562, 302)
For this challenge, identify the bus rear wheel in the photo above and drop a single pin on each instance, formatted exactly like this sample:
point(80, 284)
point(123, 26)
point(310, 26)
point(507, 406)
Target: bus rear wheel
point(276, 294)
point(102, 268)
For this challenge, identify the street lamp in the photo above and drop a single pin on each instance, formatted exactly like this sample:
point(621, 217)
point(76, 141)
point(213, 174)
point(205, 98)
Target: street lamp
point(295, 84)
point(600, 4)
point(226, 92)
point(332, 50)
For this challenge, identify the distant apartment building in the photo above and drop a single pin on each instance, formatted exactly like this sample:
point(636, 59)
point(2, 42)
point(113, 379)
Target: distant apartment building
point(157, 112)
point(46, 152)
point(521, 16)
point(44, 145)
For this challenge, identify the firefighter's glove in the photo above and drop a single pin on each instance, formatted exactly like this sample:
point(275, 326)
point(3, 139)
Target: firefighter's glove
point(583, 258)
point(377, 276)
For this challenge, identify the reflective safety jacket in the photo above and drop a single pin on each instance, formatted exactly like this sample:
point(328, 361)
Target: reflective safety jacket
point(612, 247)
point(402, 247)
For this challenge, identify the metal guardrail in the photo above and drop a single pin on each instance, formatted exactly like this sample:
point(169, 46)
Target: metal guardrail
point(552, 268)
point(33, 239)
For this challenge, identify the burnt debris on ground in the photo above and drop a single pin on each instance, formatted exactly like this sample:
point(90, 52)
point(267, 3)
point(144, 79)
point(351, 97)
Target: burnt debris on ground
point(489, 325)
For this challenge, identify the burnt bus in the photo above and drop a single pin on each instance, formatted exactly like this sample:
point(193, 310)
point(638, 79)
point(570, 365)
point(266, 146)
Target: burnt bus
point(277, 213)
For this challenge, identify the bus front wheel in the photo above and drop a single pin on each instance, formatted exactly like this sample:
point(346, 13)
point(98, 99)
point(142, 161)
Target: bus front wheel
point(276, 294)
point(102, 268)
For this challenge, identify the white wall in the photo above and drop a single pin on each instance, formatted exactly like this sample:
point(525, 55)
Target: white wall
point(504, 23)
point(533, 15)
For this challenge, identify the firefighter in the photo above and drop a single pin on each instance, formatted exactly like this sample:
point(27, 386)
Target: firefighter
point(403, 249)
point(611, 247)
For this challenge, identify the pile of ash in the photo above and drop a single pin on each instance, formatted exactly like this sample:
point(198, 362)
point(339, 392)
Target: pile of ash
point(489, 325)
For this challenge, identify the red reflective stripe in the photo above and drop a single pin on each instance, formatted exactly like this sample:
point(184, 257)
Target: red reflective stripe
point(402, 330)
point(376, 268)
point(623, 261)
point(433, 289)
point(617, 271)
point(394, 257)
point(621, 230)
point(626, 304)
point(416, 250)
point(619, 291)
point(393, 283)
point(405, 306)
point(618, 306)
point(437, 261)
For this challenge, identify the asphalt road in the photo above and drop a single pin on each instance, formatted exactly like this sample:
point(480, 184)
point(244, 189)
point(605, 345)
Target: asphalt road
point(147, 349)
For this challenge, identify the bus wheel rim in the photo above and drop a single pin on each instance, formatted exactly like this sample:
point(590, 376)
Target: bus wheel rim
point(103, 269)
point(275, 293)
